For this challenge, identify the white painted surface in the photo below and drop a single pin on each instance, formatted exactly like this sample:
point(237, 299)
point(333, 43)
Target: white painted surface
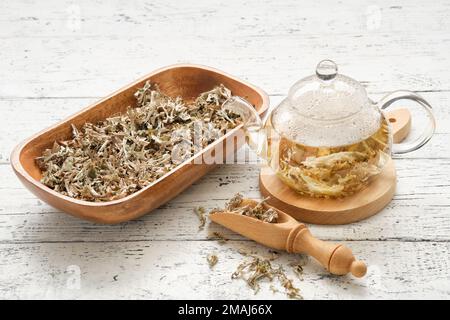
point(58, 56)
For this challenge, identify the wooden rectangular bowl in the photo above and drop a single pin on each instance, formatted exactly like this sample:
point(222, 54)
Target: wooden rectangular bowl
point(187, 81)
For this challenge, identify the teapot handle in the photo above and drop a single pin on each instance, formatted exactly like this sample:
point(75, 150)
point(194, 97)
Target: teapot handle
point(401, 148)
point(252, 124)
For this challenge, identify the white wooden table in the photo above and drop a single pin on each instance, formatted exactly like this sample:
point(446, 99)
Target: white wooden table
point(58, 56)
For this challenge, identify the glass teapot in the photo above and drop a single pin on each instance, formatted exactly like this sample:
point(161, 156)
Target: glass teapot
point(327, 138)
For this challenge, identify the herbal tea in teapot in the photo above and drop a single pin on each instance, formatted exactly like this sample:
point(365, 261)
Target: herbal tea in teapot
point(327, 138)
point(330, 171)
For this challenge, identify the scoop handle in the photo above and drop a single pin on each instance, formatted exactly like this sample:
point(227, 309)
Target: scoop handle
point(336, 258)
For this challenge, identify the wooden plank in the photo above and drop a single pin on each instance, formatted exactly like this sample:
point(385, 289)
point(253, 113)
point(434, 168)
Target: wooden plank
point(176, 270)
point(259, 17)
point(419, 210)
point(62, 44)
point(61, 75)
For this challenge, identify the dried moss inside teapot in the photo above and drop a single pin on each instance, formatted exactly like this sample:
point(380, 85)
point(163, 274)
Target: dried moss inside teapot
point(326, 139)
point(331, 171)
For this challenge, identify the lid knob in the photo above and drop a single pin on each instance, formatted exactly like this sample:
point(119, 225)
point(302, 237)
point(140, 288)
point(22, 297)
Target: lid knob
point(326, 69)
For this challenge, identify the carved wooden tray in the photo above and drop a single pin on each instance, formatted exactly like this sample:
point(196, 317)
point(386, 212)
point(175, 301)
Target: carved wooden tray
point(185, 80)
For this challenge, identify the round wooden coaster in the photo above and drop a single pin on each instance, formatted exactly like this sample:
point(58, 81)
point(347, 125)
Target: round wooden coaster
point(361, 205)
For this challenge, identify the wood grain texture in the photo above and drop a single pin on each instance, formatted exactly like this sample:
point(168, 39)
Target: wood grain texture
point(275, 44)
point(59, 56)
point(419, 211)
point(140, 269)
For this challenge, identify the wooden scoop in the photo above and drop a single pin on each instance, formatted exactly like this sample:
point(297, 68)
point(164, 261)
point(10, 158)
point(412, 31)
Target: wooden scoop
point(294, 237)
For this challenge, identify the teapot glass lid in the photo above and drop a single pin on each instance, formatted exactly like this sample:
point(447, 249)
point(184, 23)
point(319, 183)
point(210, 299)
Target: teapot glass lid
point(326, 109)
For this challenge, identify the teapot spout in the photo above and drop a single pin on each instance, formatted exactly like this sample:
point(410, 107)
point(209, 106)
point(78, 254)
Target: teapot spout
point(255, 133)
